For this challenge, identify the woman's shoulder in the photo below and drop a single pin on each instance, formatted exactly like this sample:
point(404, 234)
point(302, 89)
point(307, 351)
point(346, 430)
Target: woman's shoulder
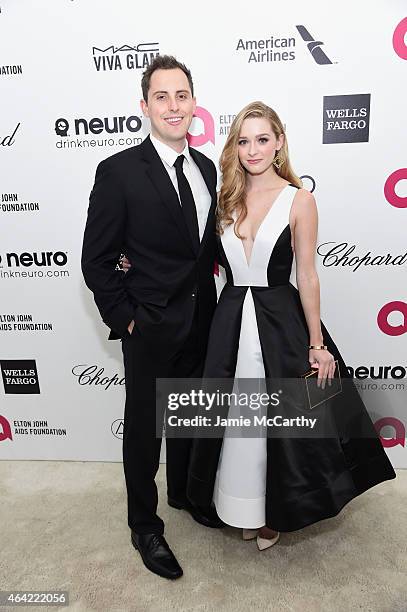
point(303, 203)
point(303, 196)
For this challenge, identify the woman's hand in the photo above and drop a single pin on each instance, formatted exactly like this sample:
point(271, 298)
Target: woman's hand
point(126, 265)
point(324, 361)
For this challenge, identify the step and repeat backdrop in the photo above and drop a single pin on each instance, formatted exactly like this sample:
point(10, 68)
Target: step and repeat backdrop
point(70, 75)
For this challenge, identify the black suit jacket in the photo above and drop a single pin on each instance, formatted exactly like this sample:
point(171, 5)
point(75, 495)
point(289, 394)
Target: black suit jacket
point(134, 209)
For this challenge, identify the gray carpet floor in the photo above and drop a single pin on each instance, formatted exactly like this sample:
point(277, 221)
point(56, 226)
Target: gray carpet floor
point(63, 527)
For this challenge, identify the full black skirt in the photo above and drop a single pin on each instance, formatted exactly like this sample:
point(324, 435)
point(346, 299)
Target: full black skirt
point(308, 479)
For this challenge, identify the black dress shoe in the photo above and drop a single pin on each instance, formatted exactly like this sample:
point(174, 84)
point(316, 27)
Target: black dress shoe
point(207, 517)
point(156, 554)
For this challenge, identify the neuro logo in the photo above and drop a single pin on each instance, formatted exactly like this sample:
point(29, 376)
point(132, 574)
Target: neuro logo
point(45, 258)
point(61, 127)
point(383, 316)
point(5, 431)
point(390, 188)
point(208, 134)
point(396, 372)
point(399, 430)
point(97, 125)
point(314, 46)
point(399, 37)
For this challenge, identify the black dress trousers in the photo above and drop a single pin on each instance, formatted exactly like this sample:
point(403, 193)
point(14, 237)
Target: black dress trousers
point(141, 447)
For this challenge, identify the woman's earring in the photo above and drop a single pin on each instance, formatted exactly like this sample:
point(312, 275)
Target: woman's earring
point(278, 161)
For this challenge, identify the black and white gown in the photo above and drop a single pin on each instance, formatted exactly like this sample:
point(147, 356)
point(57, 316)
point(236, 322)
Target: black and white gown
point(259, 331)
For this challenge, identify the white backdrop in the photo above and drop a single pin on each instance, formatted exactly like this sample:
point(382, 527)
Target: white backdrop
point(83, 59)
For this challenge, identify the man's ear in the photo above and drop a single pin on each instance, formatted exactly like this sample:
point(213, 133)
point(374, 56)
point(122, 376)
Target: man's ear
point(144, 107)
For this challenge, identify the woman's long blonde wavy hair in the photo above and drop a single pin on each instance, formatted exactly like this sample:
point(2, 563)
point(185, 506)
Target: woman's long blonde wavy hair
point(232, 195)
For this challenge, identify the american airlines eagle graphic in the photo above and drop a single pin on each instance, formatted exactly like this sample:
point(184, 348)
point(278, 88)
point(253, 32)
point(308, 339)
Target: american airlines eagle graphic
point(314, 46)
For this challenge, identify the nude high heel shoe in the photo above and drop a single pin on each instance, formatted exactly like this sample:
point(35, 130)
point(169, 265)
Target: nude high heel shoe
point(249, 534)
point(263, 543)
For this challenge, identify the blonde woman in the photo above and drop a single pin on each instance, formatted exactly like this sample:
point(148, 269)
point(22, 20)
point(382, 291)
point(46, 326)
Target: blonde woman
point(265, 327)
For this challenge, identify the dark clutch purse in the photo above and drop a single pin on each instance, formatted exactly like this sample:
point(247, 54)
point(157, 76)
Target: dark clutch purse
point(316, 395)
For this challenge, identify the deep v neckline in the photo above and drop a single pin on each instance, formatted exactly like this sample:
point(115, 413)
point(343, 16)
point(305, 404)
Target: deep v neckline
point(248, 262)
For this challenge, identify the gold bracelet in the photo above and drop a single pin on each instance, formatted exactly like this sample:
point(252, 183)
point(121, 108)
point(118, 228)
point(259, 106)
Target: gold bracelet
point(318, 347)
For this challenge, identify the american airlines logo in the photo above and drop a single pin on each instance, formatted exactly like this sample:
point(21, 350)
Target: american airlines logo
point(130, 57)
point(314, 46)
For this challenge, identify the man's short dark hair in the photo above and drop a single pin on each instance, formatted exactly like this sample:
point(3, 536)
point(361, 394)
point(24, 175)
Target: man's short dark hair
point(163, 62)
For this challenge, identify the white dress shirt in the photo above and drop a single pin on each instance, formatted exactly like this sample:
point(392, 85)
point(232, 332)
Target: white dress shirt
point(193, 175)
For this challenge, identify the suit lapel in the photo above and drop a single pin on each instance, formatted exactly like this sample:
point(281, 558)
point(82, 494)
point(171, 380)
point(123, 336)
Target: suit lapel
point(163, 184)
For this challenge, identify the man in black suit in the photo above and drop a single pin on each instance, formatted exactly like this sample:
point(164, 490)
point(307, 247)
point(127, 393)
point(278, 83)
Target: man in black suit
point(156, 203)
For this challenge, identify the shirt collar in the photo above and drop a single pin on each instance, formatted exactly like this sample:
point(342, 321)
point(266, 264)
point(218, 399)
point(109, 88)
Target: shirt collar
point(167, 154)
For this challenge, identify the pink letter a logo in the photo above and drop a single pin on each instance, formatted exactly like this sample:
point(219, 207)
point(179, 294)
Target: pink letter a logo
point(208, 134)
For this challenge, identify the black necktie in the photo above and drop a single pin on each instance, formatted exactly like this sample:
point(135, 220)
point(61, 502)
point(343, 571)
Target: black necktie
point(187, 202)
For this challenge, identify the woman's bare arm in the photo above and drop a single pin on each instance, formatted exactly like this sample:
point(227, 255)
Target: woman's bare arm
point(305, 219)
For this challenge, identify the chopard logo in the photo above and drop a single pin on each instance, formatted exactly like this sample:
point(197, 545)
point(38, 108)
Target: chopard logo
point(8, 140)
point(95, 376)
point(342, 254)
